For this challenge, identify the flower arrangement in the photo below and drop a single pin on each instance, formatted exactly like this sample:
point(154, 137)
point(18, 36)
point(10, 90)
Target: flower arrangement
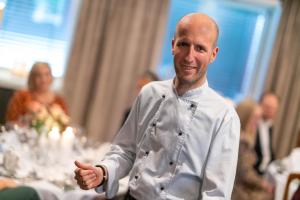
point(49, 117)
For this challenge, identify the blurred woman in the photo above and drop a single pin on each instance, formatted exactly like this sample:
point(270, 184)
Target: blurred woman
point(248, 184)
point(38, 98)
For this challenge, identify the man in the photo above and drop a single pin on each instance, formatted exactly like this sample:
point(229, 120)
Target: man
point(263, 146)
point(181, 138)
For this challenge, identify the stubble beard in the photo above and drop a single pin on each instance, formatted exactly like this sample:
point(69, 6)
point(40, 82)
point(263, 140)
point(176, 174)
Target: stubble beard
point(187, 83)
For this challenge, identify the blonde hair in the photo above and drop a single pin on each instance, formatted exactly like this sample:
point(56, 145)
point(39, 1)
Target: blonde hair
point(244, 110)
point(32, 74)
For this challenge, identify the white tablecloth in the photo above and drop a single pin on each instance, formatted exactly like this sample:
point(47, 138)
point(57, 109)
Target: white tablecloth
point(279, 170)
point(46, 166)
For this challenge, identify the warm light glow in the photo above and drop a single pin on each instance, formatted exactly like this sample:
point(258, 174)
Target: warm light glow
point(2, 5)
point(68, 133)
point(67, 139)
point(54, 134)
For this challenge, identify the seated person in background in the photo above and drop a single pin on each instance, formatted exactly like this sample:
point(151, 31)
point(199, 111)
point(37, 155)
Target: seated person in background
point(147, 77)
point(10, 191)
point(38, 98)
point(248, 184)
point(269, 103)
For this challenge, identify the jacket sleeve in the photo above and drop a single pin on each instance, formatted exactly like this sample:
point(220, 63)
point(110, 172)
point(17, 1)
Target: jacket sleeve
point(16, 107)
point(222, 158)
point(119, 160)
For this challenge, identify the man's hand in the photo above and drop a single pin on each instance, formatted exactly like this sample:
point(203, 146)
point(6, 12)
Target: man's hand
point(88, 176)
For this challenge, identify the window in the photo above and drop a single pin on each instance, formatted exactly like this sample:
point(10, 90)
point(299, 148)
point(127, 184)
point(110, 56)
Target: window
point(37, 30)
point(247, 32)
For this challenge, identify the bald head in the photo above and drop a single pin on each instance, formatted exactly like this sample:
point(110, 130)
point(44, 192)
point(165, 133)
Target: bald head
point(199, 21)
point(193, 48)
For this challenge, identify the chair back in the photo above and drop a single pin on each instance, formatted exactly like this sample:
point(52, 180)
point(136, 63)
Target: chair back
point(291, 177)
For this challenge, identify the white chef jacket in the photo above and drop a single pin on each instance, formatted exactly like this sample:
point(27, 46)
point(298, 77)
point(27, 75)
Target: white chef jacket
point(176, 147)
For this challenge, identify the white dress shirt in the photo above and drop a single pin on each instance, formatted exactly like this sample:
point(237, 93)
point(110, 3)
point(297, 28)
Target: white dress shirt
point(176, 147)
point(264, 136)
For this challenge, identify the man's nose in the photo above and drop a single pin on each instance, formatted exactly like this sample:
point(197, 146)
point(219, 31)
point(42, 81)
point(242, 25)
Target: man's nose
point(190, 54)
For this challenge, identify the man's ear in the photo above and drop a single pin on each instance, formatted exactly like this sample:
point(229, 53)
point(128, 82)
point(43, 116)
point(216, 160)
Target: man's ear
point(214, 55)
point(173, 44)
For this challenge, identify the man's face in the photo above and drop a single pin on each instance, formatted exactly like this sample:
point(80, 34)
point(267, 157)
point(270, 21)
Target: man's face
point(269, 105)
point(193, 49)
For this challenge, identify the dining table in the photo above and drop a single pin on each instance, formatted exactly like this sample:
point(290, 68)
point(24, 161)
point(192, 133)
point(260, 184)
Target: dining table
point(45, 161)
point(278, 171)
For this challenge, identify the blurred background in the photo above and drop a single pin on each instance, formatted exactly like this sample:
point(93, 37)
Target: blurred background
point(98, 49)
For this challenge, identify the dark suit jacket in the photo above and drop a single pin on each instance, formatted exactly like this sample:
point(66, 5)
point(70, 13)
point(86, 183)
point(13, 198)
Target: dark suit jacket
point(258, 150)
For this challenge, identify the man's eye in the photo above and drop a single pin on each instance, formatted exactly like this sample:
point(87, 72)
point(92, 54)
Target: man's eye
point(199, 48)
point(182, 44)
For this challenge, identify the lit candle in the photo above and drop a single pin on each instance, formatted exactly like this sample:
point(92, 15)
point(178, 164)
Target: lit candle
point(54, 137)
point(68, 139)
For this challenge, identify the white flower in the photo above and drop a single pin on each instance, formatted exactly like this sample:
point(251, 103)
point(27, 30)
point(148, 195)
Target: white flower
point(49, 117)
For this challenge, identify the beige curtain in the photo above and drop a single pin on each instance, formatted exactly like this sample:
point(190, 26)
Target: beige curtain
point(115, 41)
point(284, 78)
